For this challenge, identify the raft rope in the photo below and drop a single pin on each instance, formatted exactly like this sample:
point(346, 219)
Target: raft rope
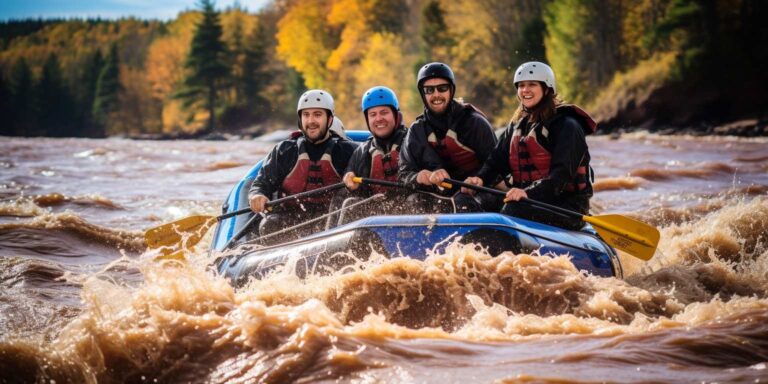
point(376, 197)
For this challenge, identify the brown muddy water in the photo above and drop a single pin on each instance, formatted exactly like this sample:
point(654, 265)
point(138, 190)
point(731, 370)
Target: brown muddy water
point(80, 300)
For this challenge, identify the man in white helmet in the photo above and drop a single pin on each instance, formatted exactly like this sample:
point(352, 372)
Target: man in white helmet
point(543, 153)
point(312, 160)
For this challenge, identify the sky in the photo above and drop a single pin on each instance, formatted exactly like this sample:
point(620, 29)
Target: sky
point(109, 9)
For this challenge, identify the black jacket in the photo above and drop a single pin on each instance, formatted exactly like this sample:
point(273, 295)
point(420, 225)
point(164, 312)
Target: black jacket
point(566, 143)
point(360, 163)
point(472, 129)
point(281, 160)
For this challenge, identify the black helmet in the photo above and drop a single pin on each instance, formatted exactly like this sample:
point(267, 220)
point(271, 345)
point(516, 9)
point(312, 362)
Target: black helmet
point(435, 69)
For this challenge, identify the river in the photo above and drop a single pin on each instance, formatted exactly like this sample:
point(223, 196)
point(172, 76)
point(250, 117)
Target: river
point(81, 301)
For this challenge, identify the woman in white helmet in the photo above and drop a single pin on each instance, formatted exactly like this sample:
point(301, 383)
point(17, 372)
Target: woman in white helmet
point(543, 153)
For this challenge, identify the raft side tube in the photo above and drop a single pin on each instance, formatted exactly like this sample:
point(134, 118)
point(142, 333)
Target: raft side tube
point(413, 236)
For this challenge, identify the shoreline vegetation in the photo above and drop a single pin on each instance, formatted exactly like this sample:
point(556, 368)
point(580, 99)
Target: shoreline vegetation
point(667, 66)
point(742, 128)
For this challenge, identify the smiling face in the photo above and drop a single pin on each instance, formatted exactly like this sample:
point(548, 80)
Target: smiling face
point(529, 93)
point(314, 123)
point(437, 101)
point(381, 121)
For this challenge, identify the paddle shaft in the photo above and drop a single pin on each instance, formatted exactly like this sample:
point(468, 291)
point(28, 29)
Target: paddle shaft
point(589, 219)
point(550, 207)
point(283, 199)
point(388, 183)
point(272, 203)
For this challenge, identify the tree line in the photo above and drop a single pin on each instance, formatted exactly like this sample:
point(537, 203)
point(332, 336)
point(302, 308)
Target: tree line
point(212, 70)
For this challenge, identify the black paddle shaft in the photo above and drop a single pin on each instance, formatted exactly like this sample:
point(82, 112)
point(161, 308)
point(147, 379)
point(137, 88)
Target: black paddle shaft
point(283, 199)
point(526, 200)
point(247, 226)
point(387, 183)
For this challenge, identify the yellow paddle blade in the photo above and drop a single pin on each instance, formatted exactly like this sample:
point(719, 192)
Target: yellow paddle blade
point(185, 232)
point(629, 235)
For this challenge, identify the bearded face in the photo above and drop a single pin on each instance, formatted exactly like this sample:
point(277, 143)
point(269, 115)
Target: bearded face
point(437, 94)
point(314, 123)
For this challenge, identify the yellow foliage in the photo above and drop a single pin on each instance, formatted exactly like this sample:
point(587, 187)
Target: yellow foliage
point(184, 25)
point(302, 41)
point(351, 15)
point(471, 23)
point(634, 85)
point(385, 63)
point(138, 112)
point(175, 118)
point(165, 65)
point(172, 116)
point(332, 45)
point(231, 18)
point(165, 71)
point(475, 27)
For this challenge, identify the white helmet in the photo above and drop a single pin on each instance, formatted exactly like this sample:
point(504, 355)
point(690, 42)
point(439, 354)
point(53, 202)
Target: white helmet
point(536, 71)
point(337, 127)
point(316, 98)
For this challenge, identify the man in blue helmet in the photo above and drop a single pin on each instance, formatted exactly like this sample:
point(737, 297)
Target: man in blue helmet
point(378, 157)
point(311, 160)
point(449, 140)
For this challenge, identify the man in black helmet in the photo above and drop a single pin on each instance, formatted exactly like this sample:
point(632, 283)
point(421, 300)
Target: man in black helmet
point(449, 140)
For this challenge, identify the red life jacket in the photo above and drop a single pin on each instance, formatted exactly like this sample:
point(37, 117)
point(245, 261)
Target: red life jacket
point(308, 175)
point(452, 150)
point(530, 161)
point(384, 166)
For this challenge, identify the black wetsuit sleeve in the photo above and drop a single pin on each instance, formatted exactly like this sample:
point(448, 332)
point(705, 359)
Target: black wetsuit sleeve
point(568, 149)
point(360, 165)
point(274, 169)
point(342, 153)
point(360, 162)
point(479, 136)
point(496, 166)
point(416, 154)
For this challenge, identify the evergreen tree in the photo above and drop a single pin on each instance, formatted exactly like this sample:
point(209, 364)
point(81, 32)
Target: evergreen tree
point(206, 64)
point(237, 60)
point(255, 77)
point(6, 111)
point(23, 119)
point(53, 103)
point(107, 89)
point(86, 93)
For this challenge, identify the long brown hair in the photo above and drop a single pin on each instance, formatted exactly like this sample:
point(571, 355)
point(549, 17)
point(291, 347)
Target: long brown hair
point(544, 110)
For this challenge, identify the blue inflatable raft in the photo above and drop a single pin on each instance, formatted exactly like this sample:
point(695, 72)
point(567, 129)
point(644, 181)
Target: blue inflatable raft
point(399, 236)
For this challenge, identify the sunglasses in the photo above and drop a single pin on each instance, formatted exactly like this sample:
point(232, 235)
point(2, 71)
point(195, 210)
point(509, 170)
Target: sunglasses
point(440, 88)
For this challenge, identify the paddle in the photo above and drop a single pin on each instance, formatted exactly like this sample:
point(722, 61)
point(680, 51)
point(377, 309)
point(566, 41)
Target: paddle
point(629, 235)
point(387, 183)
point(189, 230)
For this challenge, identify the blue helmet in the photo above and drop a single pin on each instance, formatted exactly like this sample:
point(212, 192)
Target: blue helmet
point(378, 96)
